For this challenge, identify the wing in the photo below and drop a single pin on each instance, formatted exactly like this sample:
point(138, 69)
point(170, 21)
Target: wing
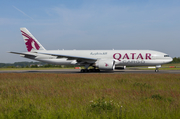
point(70, 57)
point(19, 53)
point(82, 60)
point(26, 55)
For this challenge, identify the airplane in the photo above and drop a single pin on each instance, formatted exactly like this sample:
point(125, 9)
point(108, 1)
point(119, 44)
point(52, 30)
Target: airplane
point(98, 59)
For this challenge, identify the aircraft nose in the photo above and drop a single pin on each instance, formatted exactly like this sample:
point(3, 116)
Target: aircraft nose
point(171, 59)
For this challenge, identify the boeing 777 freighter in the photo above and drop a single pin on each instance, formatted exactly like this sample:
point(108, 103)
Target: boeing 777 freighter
point(99, 59)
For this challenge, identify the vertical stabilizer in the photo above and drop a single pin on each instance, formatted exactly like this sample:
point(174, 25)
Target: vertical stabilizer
point(31, 42)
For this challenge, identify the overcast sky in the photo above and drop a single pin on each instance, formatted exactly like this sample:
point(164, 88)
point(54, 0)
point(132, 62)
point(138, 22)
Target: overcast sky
point(90, 24)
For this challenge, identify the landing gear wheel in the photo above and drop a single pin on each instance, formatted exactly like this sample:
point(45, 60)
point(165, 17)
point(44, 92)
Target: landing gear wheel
point(156, 70)
point(97, 70)
point(82, 70)
point(86, 70)
point(89, 70)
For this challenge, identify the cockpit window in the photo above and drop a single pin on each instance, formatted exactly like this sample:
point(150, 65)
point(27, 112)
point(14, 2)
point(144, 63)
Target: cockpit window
point(166, 55)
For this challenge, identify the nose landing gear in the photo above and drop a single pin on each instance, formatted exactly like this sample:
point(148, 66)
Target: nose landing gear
point(157, 68)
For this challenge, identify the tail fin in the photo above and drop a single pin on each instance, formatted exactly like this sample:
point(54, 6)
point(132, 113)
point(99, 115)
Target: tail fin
point(31, 42)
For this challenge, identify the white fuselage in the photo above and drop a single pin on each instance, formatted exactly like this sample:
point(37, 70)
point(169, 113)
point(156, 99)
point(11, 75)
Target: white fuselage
point(121, 57)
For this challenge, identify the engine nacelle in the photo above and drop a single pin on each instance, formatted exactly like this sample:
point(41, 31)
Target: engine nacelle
point(106, 64)
point(120, 67)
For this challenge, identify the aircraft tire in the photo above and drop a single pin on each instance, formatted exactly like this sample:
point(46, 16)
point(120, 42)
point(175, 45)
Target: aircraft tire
point(82, 70)
point(86, 70)
point(97, 70)
point(90, 70)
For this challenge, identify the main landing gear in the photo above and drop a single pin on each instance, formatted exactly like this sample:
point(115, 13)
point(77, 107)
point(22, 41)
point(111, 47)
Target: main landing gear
point(89, 70)
point(157, 68)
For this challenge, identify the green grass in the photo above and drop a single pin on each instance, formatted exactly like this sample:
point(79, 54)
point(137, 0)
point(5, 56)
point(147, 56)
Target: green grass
point(159, 68)
point(93, 96)
point(172, 64)
point(169, 68)
point(163, 67)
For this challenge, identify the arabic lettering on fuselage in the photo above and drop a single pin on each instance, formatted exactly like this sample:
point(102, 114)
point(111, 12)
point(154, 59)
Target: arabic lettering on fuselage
point(119, 56)
point(133, 62)
point(98, 53)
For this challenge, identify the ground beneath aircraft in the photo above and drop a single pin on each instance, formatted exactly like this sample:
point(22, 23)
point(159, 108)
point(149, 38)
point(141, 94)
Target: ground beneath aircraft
point(75, 71)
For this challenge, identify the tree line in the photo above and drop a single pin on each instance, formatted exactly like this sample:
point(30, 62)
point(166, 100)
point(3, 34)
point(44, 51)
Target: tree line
point(30, 65)
point(176, 60)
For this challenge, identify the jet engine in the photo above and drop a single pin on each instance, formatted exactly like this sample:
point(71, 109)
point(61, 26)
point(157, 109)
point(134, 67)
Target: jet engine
point(106, 64)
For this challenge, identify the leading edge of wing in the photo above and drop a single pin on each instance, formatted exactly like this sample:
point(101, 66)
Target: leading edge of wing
point(69, 56)
point(23, 53)
point(20, 53)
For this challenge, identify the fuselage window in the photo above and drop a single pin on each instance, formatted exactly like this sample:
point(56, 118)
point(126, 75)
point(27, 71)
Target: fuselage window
point(166, 55)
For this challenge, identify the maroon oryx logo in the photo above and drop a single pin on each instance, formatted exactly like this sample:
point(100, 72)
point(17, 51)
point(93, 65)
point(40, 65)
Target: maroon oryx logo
point(29, 42)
